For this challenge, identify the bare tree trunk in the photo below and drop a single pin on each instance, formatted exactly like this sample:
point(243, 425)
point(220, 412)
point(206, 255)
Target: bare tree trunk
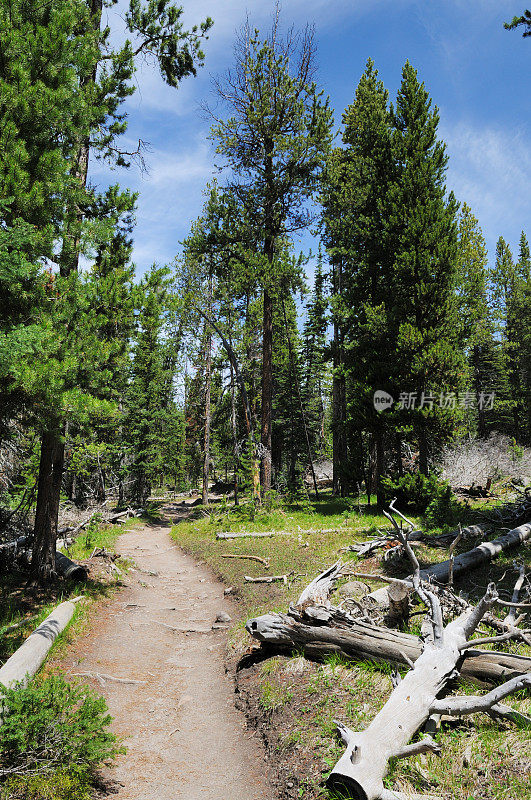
point(267, 393)
point(339, 400)
point(47, 512)
point(234, 433)
point(208, 369)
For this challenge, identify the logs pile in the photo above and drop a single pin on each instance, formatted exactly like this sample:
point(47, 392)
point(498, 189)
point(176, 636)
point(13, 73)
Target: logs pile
point(442, 654)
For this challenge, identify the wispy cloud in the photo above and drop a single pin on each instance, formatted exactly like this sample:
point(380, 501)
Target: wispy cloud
point(489, 168)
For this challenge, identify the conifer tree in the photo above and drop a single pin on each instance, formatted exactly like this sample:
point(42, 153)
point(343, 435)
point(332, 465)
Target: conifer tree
point(274, 142)
point(423, 240)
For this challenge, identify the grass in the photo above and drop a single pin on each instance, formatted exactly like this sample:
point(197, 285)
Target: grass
point(296, 700)
point(30, 606)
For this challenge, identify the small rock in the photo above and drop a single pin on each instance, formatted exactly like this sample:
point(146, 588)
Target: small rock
point(228, 590)
point(290, 785)
point(223, 617)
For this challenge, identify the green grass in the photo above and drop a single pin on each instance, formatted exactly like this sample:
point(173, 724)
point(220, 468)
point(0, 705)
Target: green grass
point(300, 699)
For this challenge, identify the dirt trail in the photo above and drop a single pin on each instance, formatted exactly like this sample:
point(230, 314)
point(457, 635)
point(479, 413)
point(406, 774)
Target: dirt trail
point(185, 739)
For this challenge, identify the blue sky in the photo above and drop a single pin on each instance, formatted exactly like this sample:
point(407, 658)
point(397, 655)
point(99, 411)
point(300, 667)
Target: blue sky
point(477, 73)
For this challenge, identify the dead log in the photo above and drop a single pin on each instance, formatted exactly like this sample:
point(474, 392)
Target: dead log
point(318, 591)
point(269, 534)
point(264, 561)
point(472, 559)
point(362, 641)
point(361, 769)
point(25, 661)
point(266, 579)
point(69, 569)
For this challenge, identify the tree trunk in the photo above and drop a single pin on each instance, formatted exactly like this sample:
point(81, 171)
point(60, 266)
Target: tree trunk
point(267, 393)
point(379, 471)
point(362, 641)
point(234, 429)
point(47, 512)
point(208, 368)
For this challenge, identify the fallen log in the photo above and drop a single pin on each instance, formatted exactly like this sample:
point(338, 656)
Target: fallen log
point(471, 559)
point(363, 641)
point(361, 769)
point(25, 661)
point(269, 534)
point(266, 579)
point(69, 569)
point(264, 561)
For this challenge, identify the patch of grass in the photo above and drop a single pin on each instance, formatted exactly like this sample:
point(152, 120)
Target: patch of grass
point(300, 699)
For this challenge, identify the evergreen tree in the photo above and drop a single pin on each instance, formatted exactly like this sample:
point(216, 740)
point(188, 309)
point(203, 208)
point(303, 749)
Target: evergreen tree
point(150, 392)
point(423, 241)
point(274, 142)
point(524, 19)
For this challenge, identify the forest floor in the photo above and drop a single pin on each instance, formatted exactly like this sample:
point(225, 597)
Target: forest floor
point(293, 701)
point(184, 737)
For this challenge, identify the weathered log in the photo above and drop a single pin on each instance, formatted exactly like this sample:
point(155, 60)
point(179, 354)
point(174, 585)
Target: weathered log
point(363, 641)
point(266, 579)
point(69, 569)
point(269, 534)
point(472, 559)
point(25, 661)
point(361, 769)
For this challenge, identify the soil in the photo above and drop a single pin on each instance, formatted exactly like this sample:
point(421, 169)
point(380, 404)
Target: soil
point(184, 736)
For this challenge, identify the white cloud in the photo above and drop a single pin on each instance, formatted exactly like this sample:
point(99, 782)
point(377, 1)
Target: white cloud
point(489, 169)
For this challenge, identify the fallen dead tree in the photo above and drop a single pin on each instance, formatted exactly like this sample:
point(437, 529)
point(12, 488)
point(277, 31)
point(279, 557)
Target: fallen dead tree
point(471, 559)
point(270, 534)
point(314, 634)
point(445, 653)
point(25, 661)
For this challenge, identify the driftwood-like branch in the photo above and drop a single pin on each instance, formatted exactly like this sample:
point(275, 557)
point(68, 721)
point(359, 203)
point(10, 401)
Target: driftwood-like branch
point(266, 579)
point(318, 591)
point(264, 561)
point(360, 771)
point(511, 616)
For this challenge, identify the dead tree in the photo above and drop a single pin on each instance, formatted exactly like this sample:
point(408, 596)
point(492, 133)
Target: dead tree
point(361, 769)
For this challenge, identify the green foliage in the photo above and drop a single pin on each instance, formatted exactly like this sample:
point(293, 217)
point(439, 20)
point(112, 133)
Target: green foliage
point(52, 725)
point(58, 785)
point(416, 492)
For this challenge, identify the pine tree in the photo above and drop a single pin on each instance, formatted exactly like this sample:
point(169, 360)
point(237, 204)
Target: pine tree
point(150, 392)
point(274, 142)
point(423, 241)
point(100, 80)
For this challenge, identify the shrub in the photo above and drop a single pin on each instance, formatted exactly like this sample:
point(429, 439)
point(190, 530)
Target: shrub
point(54, 727)
point(415, 491)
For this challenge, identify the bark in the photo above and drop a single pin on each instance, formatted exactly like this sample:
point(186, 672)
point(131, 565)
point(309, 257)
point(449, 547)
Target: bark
point(234, 431)
point(267, 393)
point(472, 559)
point(47, 511)
point(25, 662)
point(339, 412)
point(361, 769)
point(362, 641)
point(208, 367)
